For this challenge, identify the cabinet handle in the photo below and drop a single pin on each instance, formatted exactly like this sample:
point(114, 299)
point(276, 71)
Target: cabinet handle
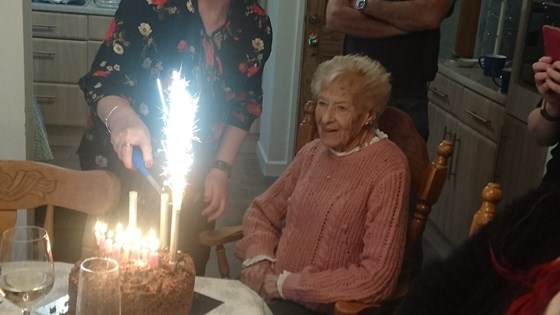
point(439, 93)
point(479, 118)
point(43, 27)
point(43, 54)
point(453, 165)
point(499, 158)
point(448, 134)
point(45, 98)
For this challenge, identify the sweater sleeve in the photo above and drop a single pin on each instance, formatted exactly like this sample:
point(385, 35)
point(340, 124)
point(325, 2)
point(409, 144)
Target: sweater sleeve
point(374, 278)
point(263, 220)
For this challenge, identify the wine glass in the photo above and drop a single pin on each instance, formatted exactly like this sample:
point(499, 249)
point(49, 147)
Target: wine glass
point(99, 291)
point(26, 266)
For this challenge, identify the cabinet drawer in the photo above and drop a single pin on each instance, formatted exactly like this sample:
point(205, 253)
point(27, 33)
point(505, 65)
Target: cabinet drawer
point(58, 25)
point(61, 104)
point(482, 114)
point(98, 26)
point(59, 61)
point(445, 93)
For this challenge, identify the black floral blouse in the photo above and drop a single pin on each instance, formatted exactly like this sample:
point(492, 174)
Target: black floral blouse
point(149, 39)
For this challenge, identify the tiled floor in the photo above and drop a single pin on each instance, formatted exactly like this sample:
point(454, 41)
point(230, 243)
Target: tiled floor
point(247, 181)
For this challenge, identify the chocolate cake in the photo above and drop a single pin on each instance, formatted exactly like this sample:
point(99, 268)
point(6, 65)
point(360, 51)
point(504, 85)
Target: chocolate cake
point(166, 290)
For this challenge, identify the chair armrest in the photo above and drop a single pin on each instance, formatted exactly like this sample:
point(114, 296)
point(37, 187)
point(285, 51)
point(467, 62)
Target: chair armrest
point(221, 235)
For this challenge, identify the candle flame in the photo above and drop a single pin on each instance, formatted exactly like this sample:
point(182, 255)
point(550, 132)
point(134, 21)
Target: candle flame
point(179, 127)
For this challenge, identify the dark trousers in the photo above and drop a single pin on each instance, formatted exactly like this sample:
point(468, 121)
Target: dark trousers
point(414, 101)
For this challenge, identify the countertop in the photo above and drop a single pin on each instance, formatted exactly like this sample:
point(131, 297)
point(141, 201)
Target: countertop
point(88, 8)
point(471, 76)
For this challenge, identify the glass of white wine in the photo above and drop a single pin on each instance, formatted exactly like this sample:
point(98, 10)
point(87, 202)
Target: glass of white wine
point(26, 266)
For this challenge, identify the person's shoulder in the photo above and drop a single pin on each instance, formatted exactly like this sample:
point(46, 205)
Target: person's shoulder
point(251, 18)
point(392, 152)
point(310, 148)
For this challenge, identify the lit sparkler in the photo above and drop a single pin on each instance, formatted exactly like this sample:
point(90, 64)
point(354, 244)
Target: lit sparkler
point(179, 127)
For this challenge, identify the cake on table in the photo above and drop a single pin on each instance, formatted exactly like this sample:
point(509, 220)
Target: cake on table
point(163, 290)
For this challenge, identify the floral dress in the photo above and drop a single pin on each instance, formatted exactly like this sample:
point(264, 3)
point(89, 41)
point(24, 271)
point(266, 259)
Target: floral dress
point(149, 39)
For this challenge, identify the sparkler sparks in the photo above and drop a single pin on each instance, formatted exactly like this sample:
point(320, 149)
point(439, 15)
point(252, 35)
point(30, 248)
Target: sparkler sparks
point(179, 127)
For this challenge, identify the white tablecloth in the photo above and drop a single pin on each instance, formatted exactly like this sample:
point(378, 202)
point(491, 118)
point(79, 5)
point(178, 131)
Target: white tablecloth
point(237, 298)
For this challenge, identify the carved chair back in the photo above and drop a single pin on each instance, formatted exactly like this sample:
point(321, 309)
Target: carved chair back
point(30, 184)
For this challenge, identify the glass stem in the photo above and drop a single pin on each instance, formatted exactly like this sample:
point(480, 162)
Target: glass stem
point(25, 312)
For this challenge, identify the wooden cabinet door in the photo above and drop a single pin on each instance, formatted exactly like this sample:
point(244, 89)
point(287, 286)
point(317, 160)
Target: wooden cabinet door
point(470, 169)
point(521, 162)
point(327, 45)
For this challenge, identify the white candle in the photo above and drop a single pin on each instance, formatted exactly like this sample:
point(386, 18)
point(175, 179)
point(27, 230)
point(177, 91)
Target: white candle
point(174, 234)
point(132, 208)
point(164, 220)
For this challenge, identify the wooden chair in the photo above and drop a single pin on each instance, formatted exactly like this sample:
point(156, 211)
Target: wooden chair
point(427, 181)
point(29, 184)
point(491, 195)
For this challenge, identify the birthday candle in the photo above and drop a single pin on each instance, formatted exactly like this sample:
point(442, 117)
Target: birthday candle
point(132, 208)
point(164, 220)
point(153, 260)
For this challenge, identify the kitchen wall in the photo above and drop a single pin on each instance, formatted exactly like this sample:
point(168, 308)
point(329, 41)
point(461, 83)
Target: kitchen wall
point(281, 87)
point(15, 80)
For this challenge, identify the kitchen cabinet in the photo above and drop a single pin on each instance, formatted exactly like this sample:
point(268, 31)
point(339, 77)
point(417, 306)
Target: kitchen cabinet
point(470, 168)
point(64, 45)
point(521, 164)
point(473, 122)
point(491, 144)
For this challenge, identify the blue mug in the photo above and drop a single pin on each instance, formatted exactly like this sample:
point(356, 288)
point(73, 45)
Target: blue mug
point(504, 80)
point(492, 65)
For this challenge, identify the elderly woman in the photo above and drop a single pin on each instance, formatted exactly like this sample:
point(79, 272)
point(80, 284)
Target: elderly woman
point(332, 227)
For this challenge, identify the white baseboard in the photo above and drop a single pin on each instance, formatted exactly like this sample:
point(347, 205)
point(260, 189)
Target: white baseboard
point(269, 168)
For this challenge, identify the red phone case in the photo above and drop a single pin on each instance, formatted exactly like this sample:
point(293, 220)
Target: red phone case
point(551, 36)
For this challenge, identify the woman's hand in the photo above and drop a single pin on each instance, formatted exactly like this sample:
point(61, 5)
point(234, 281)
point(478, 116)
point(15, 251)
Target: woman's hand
point(547, 81)
point(254, 275)
point(270, 287)
point(127, 130)
point(215, 193)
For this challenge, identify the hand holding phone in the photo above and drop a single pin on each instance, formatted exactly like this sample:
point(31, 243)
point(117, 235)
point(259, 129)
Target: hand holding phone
point(551, 36)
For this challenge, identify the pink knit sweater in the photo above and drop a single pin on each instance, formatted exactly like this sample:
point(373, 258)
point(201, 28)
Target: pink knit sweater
point(345, 224)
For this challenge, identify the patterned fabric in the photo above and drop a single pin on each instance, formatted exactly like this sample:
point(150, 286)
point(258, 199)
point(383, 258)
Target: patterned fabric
point(149, 39)
point(338, 224)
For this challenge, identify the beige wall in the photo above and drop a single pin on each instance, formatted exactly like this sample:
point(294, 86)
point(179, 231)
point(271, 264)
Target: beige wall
point(15, 78)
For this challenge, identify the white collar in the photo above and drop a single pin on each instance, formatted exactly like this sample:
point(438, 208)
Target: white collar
point(378, 136)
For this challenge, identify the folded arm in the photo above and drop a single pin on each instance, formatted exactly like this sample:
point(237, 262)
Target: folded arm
point(343, 17)
point(383, 18)
point(411, 15)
